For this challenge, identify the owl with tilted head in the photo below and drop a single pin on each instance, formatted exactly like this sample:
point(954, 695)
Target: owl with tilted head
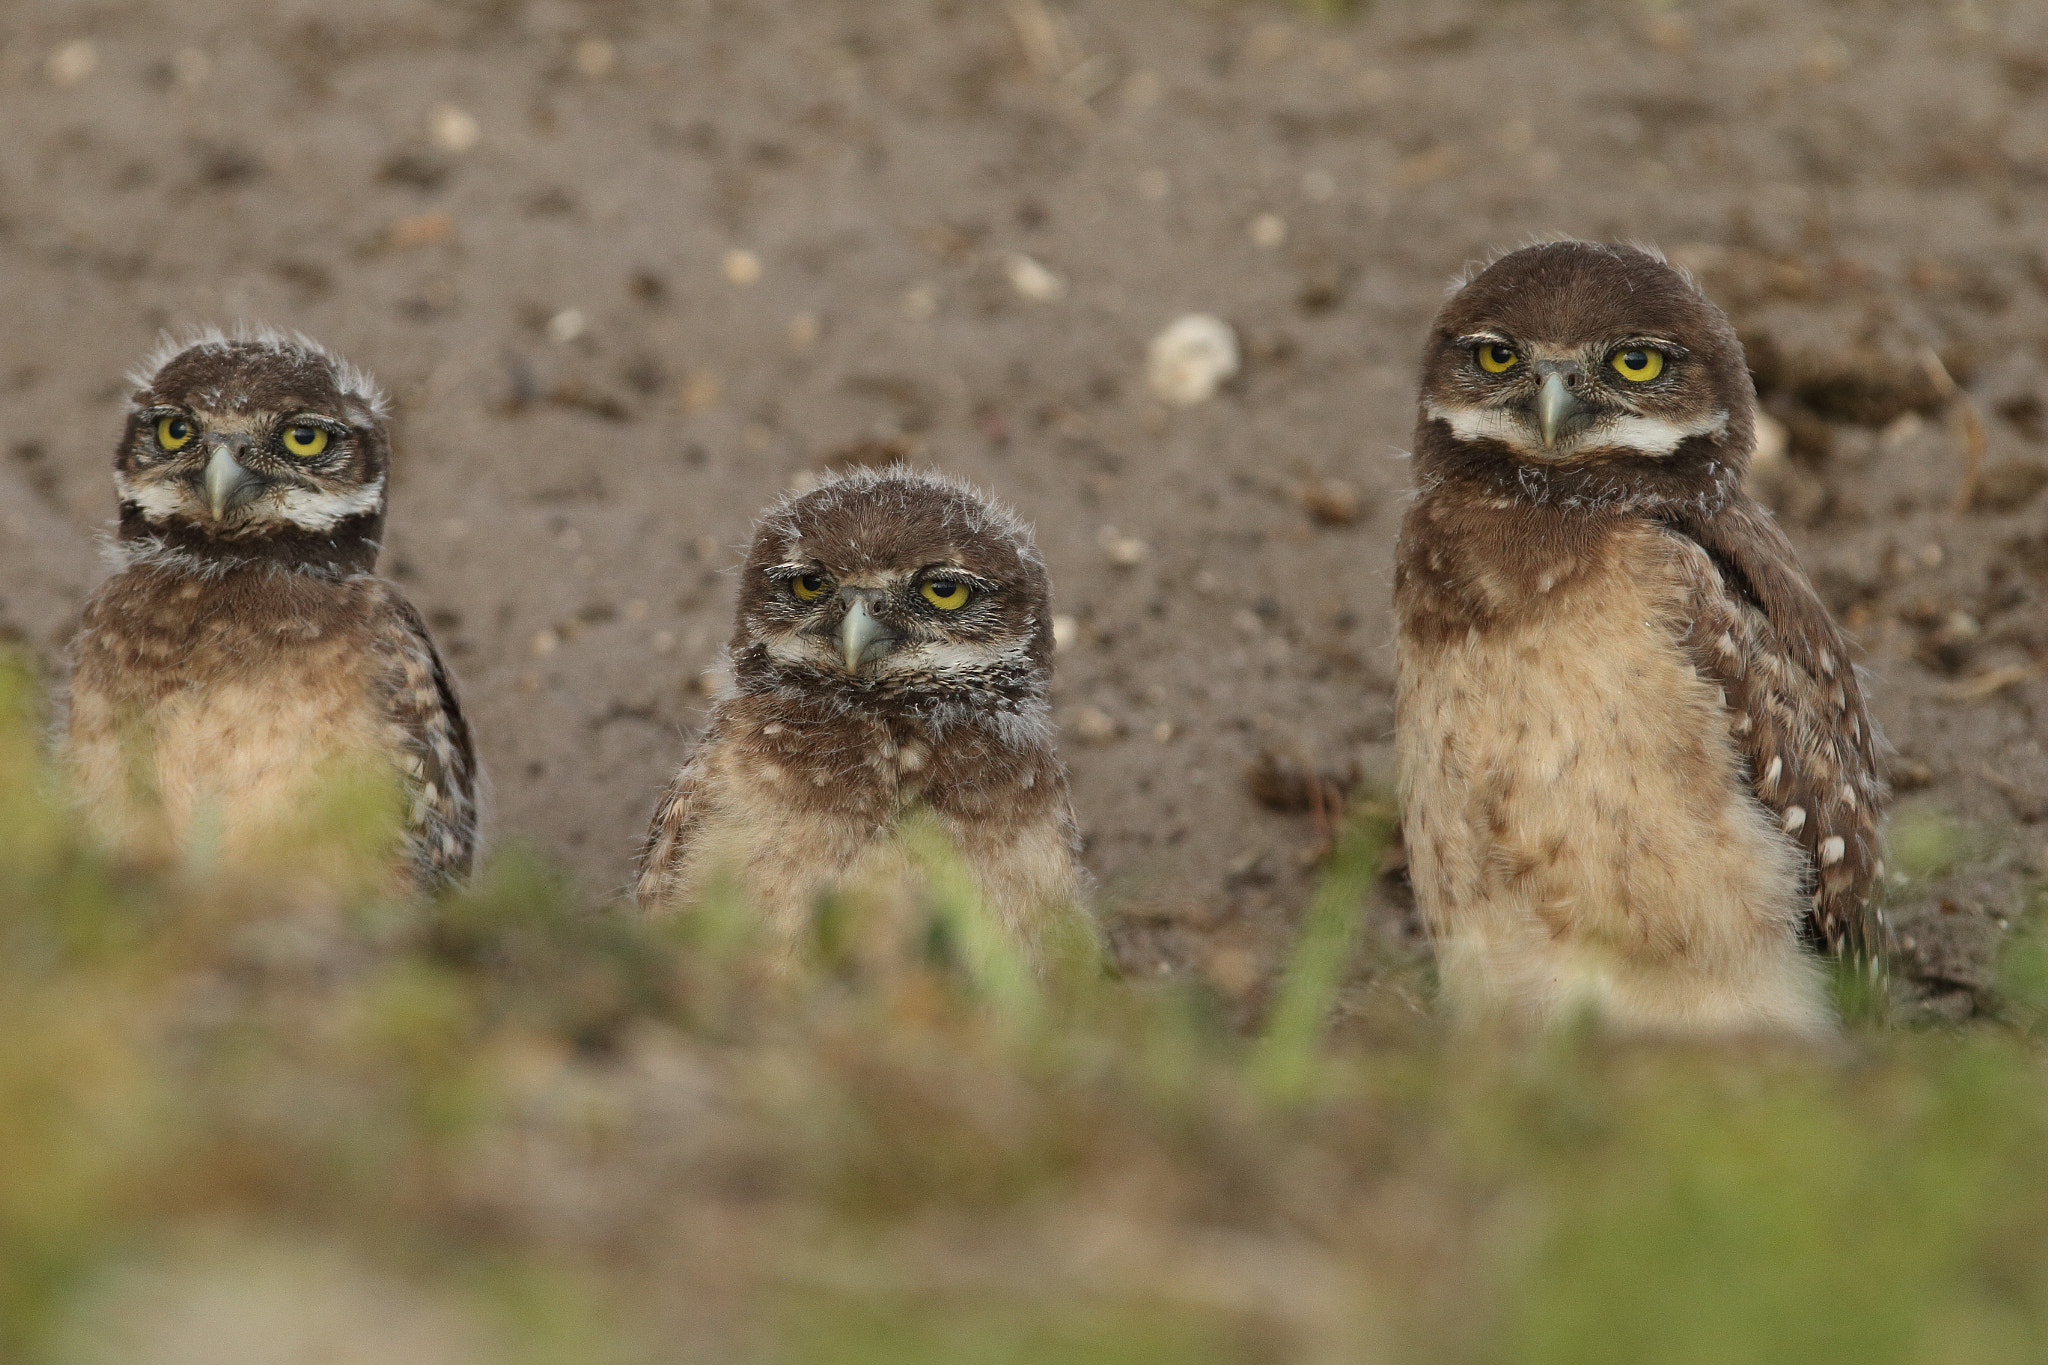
point(890, 663)
point(1640, 780)
point(244, 654)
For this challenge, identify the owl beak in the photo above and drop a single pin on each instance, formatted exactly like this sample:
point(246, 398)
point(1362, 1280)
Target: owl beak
point(1554, 403)
point(227, 483)
point(857, 631)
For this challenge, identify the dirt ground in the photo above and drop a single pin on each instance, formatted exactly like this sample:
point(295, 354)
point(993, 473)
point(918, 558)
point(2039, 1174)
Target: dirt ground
point(632, 269)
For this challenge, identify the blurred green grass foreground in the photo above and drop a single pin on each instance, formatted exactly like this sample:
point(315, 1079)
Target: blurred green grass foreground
point(263, 1119)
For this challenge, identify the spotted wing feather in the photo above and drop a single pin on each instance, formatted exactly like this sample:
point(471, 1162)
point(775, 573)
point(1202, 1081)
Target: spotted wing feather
point(1796, 711)
point(440, 758)
point(677, 819)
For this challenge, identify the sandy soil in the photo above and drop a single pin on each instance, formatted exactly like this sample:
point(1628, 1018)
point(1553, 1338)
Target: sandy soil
point(524, 218)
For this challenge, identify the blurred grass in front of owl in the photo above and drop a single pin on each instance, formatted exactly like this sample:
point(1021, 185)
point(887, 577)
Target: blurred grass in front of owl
point(514, 1125)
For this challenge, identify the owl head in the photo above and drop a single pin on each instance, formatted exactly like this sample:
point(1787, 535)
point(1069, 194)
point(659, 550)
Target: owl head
point(893, 584)
point(255, 445)
point(1584, 369)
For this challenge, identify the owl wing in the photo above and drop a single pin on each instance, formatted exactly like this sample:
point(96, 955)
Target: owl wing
point(677, 820)
point(440, 758)
point(1758, 630)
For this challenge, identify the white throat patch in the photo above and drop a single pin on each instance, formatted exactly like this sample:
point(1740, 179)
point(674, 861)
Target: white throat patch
point(304, 508)
point(1640, 435)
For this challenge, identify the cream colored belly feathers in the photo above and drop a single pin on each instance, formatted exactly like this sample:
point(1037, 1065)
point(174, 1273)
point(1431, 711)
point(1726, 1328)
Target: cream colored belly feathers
point(1581, 838)
point(227, 768)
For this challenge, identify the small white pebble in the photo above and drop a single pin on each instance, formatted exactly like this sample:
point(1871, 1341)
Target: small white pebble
point(1268, 230)
point(1162, 733)
point(453, 129)
point(544, 642)
point(741, 266)
point(565, 326)
point(72, 62)
point(1124, 551)
point(920, 301)
point(1033, 281)
point(1831, 850)
point(1092, 725)
point(1191, 358)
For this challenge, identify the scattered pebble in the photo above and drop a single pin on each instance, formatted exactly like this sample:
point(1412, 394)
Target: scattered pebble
point(595, 57)
point(1268, 230)
point(565, 326)
point(920, 301)
point(1162, 733)
point(1033, 281)
point(1066, 632)
point(741, 266)
point(699, 391)
point(804, 331)
point(420, 229)
point(1093, 725)
point(453, 129)
point(72, 62)
point(1124, 551)
point(544, 642)
point(1191, 358)
point(1332, 502)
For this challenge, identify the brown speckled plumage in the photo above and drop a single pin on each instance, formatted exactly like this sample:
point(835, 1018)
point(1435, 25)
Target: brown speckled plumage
point(1636, 753)
point(808, 766)
point(244, 653)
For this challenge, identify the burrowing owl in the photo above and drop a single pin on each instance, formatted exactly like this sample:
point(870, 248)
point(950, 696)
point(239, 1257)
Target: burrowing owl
point(892, 654)
point(1634, 751)
point(244, 652)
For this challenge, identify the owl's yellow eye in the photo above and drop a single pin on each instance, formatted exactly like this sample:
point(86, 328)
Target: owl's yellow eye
point(808, 587)
point(1638, 364)
point(1495, 358)
point(947, 594)
point(305, 440)
point(173, 432)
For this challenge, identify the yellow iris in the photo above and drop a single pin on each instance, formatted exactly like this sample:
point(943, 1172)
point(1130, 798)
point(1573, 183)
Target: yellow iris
point(808, 587)
point(305, 441)
point(1638, 365)
point(1495, 358)
point(947, 594)
point(173, 432)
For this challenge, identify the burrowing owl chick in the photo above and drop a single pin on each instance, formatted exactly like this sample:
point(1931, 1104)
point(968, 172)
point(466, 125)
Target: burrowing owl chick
point(891, 655)
point(1635, 755)
point(244, 652)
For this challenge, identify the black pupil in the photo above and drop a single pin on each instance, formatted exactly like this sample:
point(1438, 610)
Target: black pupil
point(1635, 360)
point(810, 582)
point(1501, 354)
point(944, 587)
point(176, 428)
point(302, 436)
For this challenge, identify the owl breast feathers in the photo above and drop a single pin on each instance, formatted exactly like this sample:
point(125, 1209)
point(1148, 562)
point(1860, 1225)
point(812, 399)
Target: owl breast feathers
point(1636, 757)
point(890, 663)
point(243, 659)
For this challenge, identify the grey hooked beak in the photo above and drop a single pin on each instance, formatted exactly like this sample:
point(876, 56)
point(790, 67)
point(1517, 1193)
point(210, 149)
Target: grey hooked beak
point(227, 483)
point(1554, 403)
point(857, 631)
